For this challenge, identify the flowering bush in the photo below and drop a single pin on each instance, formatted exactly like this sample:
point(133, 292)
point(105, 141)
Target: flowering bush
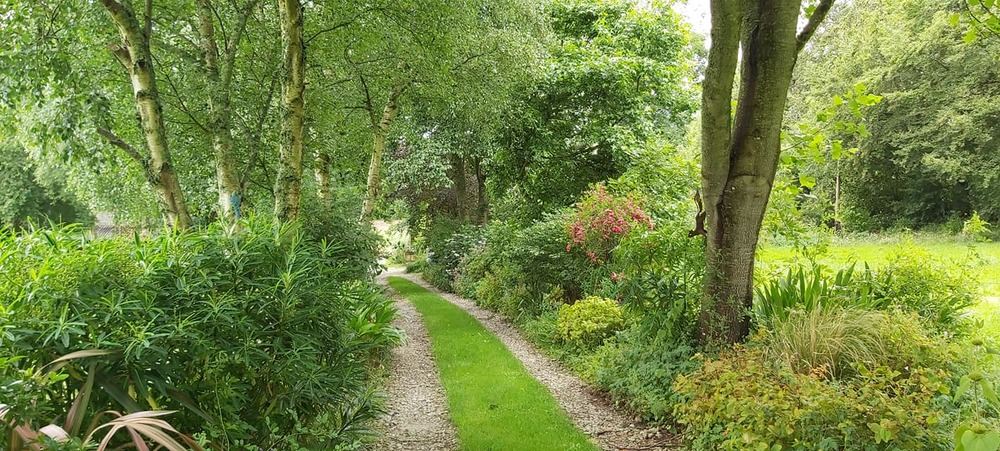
point(601, 220)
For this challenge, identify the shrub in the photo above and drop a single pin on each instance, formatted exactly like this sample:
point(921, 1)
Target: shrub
point(352, 244)
point(739, 401)
point(835, 342)
point(976, 228)
point(601, 220)
point(448, 242)
point(252, 333)
point(658, 276)
point(639, 370)
point(911, 281)
point(589, 321)
point(941, 292)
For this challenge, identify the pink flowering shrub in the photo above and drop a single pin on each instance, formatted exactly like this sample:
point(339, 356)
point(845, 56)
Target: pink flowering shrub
point(601, 220)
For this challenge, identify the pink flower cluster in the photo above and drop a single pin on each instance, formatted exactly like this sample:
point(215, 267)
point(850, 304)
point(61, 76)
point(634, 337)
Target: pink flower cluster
point(601, 220)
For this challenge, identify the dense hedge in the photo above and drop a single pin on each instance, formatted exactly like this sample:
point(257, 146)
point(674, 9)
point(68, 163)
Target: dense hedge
point(258, 337)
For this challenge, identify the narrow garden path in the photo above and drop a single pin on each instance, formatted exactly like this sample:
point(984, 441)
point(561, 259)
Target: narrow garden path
point(608, 427)
point(418, 411)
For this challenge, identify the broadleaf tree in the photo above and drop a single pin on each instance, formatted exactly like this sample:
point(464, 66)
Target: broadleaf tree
point(760, 41)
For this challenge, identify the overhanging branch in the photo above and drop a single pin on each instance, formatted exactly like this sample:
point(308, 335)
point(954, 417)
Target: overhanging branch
point(814, 20)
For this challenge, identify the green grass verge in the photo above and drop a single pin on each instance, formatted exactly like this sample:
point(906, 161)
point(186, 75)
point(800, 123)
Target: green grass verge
point(495, 404)
point(876, 249)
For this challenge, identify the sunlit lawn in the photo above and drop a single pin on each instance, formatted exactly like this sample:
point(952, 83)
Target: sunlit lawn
point(876, 250)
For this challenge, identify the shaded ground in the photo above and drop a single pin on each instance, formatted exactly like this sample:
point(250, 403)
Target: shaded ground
point(418, 413)
point(609, 427)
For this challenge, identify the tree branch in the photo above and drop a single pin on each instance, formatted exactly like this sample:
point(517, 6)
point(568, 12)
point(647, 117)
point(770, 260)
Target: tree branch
point(122, 54)
point(814, 20)
point(329, 29)
point(116, 141)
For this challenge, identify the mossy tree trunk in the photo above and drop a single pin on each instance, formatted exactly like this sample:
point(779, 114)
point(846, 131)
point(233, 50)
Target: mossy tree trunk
point(740, 152)
point(134, 55)
point(380, 133)
point(288, 183)
point(217, 68)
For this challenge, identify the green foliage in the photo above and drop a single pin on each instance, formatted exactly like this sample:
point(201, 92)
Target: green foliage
point(614, 87)
point(810, 290)
point(836, 342)
point(658, 276)
point(910, 280)
point(639, 370)
point(26, 197)
point(251, 332)
point(940, 291)
point(976, 228)
point(448, 241)
point(975, 433)
point(351, 244)
point(590, 321)
point(928, 155)
point(740, 401)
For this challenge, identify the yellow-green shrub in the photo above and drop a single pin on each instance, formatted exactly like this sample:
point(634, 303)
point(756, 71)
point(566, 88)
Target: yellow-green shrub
point(589, 321)
point(740, 401)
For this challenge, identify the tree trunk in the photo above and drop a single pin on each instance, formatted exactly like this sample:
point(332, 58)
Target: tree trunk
point(380, 132)
point(219, 79)
point(481, 199)
point(135, 56)
point(740, 155)
point(322, 171)
point(288, 182)
point(462, 207)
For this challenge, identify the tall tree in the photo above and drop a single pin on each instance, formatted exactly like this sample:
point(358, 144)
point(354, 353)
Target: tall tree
point(218, 69)
point(134, 55)
point(740, 153)
point(288, 183)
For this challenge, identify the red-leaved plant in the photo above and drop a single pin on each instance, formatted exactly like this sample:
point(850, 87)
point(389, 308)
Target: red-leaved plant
point(601, 220)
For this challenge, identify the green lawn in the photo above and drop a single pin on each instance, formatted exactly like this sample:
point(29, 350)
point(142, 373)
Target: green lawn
point(495, 404)
point(875, 250)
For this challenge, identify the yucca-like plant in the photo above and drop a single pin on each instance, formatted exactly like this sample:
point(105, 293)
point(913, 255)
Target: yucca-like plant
point(140, 427)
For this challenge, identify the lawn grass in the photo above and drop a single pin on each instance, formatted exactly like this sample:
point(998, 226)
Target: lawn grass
point(877, 249)
point(495, 404)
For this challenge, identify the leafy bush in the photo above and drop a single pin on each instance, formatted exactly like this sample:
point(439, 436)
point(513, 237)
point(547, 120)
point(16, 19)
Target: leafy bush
point(941, 292)
point(253, 333)
point(809, 290)
point(353, 244)
point(639, 370)
point(601, 220)
point(448, 242)
point(589, 321)
point(658, 275)
point(912, 281)
point(739, 401)
point(976, 228)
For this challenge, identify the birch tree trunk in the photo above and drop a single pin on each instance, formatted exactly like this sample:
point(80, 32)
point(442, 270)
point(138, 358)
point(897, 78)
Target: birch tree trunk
point(740, 155)
point(322, 172)
point(288, 183)
point(380, 132)
point(134, 54)
point(218, 77)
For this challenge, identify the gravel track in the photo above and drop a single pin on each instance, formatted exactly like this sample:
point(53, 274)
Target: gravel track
point(608, 426)
point(418, 409)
